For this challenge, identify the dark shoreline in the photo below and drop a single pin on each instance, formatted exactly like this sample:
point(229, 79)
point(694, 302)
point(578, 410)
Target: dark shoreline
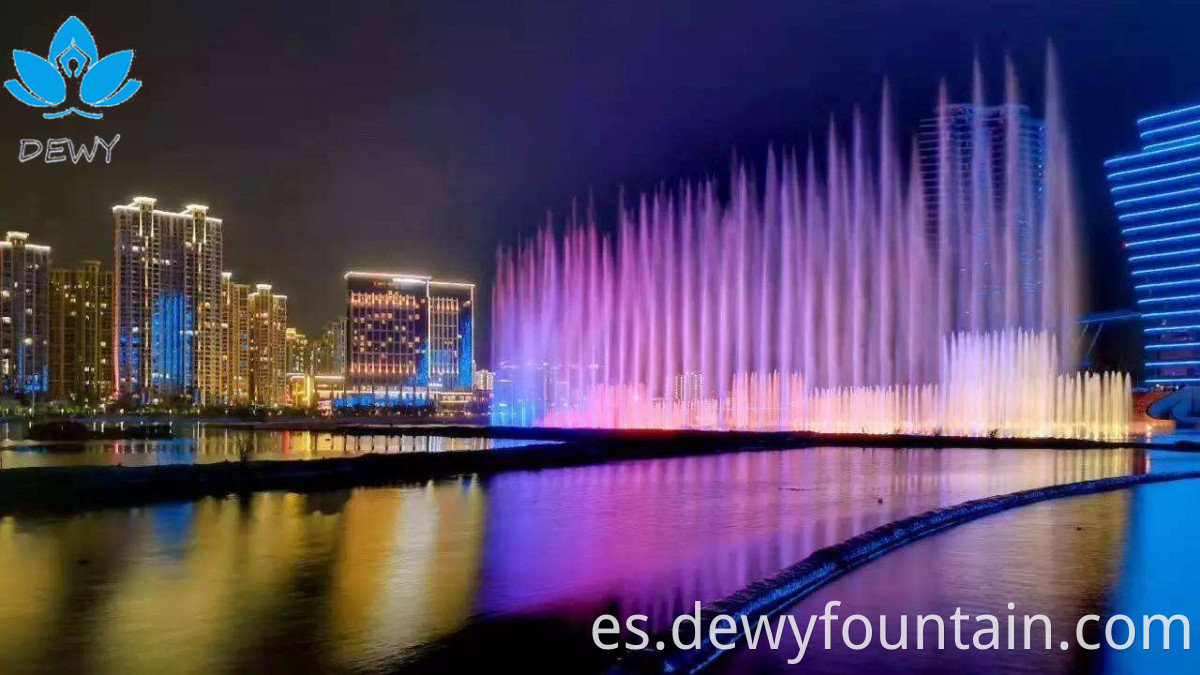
point(57, 489)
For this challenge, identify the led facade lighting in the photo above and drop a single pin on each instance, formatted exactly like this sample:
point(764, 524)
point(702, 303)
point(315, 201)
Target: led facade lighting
point(409, 339)
point(1155, 188)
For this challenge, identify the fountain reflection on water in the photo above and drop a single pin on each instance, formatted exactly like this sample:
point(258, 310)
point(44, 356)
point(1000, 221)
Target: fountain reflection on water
point(367, 580)
point(823, 297)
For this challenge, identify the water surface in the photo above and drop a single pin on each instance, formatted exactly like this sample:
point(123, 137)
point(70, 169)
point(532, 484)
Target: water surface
point(458, 573)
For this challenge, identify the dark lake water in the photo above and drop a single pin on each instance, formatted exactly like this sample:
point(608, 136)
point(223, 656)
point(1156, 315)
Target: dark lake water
point(1130, 552)
point(477, 571)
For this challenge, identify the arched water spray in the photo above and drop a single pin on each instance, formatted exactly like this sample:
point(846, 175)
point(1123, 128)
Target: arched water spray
point(849, 287)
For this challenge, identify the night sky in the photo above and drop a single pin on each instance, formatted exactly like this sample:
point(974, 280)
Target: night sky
point(416, 136)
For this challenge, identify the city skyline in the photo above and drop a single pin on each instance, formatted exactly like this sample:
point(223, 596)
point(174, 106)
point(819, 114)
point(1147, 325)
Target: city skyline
point(165, 323)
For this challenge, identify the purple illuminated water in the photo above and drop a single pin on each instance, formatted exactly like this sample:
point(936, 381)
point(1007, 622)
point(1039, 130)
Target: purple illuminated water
point(830, 271)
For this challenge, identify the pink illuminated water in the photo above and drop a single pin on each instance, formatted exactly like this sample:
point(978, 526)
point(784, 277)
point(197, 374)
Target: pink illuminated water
point(829, 275)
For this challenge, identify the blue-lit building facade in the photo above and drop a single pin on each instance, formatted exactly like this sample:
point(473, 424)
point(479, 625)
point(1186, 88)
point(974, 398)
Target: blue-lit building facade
point(1156, 193)
point(409, 340)
point(167, 280)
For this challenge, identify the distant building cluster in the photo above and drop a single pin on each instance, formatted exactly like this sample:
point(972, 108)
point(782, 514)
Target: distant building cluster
point(169, 325)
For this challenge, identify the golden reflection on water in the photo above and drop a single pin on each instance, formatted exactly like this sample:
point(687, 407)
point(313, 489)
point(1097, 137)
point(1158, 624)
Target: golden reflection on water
point(357, 579)
point(197, 444)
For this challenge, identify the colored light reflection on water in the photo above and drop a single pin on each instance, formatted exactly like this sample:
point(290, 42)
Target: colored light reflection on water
point(1128, 552)
point(457, 572)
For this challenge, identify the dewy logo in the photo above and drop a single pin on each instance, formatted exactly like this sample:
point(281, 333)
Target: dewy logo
point(73, 60)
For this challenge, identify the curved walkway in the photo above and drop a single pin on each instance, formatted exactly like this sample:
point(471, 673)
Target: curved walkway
point(774, 594)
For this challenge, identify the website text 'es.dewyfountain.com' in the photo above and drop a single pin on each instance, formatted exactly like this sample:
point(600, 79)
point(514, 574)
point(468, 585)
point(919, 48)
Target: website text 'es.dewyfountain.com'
point(897, 632)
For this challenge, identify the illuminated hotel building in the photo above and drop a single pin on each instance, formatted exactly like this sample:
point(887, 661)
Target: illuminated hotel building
point(1156, 192)
point(81, 332)
point(268, 346)
point(24, 315)
point(409, 339)
point(168, 296)
point(387, 339)
point(235, 341)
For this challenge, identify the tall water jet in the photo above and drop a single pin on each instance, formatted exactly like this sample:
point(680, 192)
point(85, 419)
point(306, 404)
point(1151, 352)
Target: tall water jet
point(844, 283)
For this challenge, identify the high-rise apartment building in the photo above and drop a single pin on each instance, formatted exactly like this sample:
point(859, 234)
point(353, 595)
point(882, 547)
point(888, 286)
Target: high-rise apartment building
point(1156, 192)
point(297, 352)
point(81, 332)
point(268, 346)
point(235, 341)
point(167, 307)
point(329, 351)
point(409, 339)
point(24, 315)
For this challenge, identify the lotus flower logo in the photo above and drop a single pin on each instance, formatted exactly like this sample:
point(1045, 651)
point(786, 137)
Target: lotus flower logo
point(72, 61)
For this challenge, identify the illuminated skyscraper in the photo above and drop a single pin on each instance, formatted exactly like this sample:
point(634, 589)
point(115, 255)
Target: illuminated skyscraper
point(168, 296)
point(970, 134)
point(81, 331)
point(268, 348)
point(24, 315)
point(235, 341)
point(1156, 192)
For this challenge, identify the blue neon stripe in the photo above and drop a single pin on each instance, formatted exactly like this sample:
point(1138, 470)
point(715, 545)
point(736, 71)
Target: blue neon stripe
point(1172, 345)
point(1148, 153)
point(1156, 270)
point(1161, 195)
point(1162, 240)
point(1156, 181)
point(1153, 167)
point(1180, 312)
point(1171, 329)
point(1173, 363)
point(1159, 226)
point(1165, 254)
point(1169, 298)
point(1170, 127)
point(1163, 144)
point(1168, 284)
point(1154, 212)
point(1169, 113)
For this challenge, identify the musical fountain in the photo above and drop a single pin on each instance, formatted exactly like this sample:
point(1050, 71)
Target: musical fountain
point(840, 294)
